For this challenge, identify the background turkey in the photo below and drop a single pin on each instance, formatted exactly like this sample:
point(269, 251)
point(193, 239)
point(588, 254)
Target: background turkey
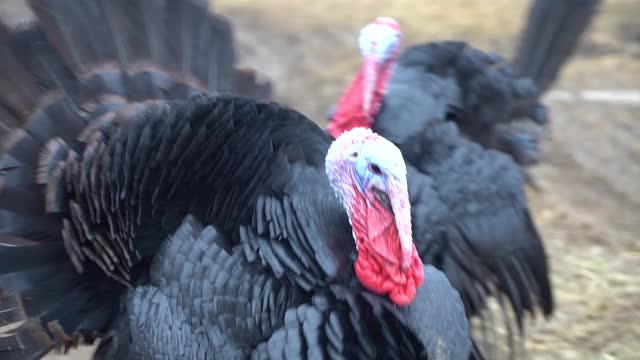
point(488, 98)
point(477, 90)
point(198, 227)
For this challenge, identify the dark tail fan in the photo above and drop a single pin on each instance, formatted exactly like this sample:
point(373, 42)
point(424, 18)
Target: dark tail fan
point(169, 49)
point(550, 37)
point(38, 279)
point(78, 63)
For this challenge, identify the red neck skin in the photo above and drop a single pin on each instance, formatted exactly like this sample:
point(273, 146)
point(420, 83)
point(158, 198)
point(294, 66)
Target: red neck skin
point(378, 265)
point(350, 111)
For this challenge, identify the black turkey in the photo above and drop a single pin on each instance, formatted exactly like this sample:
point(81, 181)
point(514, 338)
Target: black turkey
point(173, 224)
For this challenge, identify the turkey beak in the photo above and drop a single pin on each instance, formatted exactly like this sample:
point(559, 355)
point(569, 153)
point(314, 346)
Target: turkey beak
point(370, 80)
point(398, 195)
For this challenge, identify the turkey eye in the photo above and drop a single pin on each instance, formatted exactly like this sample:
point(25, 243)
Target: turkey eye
point(354, 154)
point(375, 169)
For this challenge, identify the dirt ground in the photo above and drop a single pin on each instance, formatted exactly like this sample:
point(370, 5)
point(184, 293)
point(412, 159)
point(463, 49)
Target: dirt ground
point(588, 207)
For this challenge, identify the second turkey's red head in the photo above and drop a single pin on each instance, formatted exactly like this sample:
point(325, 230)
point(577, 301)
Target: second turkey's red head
point(380, 46)
point(369, 176)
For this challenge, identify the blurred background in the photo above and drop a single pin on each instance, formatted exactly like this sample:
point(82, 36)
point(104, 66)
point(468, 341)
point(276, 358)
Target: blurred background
point(588, 204)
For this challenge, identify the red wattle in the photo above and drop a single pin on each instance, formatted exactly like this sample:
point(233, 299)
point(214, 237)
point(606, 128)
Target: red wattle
point(387, 278)
point(380, 256)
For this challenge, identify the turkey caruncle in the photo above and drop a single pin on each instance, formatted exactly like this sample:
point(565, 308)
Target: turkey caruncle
point(470, 214)
point(175, 225)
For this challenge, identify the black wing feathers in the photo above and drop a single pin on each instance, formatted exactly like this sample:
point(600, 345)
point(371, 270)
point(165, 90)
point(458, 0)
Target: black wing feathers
point(341, 323)
point(106, 218)
point(488, 98)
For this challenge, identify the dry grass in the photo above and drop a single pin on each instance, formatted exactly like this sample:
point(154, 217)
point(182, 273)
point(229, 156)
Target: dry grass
point(589, 208)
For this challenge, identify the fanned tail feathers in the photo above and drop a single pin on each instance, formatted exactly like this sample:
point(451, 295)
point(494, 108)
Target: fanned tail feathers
point(45, 303)
point(21, 337)
point(550, 37)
